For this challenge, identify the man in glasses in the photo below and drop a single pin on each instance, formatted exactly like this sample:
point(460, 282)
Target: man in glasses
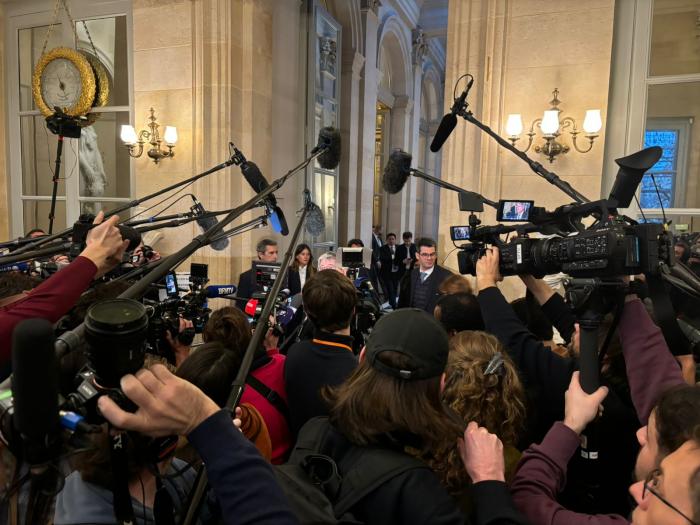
point(421, 290)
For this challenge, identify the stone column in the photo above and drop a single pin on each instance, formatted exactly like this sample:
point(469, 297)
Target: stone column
point(367, 122)
point(4, 217)
point(350, 175)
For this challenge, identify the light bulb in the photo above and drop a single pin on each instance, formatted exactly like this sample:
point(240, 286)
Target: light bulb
point(592, 122)
point(128, 135)
point(514, 125)
point(550, 122)
point(170, 135)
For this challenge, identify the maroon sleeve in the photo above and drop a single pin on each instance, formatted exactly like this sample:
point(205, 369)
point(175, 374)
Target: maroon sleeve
point(651, 368)
point(541, 475)
point(50, 300)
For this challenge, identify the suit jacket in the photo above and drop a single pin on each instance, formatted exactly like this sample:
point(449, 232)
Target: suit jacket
point(404, 252)
point(385, 259)
point(438, 275)
point(246, 287)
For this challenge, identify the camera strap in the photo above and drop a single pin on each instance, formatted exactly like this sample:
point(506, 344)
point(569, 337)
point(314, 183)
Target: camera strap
point(123, 510)
point(666, 317)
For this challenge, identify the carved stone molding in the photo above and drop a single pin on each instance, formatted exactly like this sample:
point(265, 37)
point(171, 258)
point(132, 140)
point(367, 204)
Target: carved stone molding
point(420, 45)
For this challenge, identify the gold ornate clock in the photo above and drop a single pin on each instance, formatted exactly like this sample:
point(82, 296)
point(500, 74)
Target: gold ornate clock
point(63, 77)
point(102, 88)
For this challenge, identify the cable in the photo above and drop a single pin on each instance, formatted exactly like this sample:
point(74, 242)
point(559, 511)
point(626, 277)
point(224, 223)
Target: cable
point(454, 91)
point(173, 203)
point(658, 194)
point(450, 253)
point(162, 201)
point(143, 497)
point(640, 208)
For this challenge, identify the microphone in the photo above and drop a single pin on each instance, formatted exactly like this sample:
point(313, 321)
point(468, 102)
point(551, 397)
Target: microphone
point(35, 390)
point(329, 142)
point(15, 267)
point(449, 121)
point(206, 223)
point(396, 171)
point(130, 234)
point(255, 179)
point(315, 223)
point(220, 290)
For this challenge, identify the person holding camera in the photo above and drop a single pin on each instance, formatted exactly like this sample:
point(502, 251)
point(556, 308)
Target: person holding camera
point(56, 295)
point(327, 359)
point(243, 482)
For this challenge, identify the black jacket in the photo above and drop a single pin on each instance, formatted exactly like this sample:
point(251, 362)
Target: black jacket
point(546, 378)
point(387, 262)
point(409, 281)
point(246, 287)
point(404, 252)
point(325, 360)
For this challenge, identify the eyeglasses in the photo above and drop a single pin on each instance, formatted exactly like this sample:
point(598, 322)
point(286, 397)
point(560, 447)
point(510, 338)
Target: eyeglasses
point(650, 485)
point(431, 255)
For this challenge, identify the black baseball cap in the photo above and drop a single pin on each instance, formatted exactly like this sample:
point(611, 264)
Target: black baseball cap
point(415, 334)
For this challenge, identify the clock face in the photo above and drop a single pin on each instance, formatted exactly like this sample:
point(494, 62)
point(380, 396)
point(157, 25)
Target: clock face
point(61, 84)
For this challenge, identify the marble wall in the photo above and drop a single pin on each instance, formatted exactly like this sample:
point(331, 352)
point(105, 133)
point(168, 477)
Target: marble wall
point(207, 68)
point(518, 52)
point(4, 202)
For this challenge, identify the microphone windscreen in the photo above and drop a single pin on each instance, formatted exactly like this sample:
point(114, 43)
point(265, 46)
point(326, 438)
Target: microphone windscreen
point(35, 389)
point(447, 124)
point(396, 171)
point(278, 221)
point(256, 180)
point(206, 223)
point(130, 234)
point(315, 221)
point(329, 140)
point(251, 307)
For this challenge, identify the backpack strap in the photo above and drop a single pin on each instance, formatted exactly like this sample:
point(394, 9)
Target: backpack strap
point(272, 397)
point(362, 469)
point(368, 468)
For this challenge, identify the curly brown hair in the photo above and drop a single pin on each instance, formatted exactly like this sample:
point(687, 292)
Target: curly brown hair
point(494, 401)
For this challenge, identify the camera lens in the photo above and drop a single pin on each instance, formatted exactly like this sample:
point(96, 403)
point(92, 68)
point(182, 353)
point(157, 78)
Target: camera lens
point(115, 331)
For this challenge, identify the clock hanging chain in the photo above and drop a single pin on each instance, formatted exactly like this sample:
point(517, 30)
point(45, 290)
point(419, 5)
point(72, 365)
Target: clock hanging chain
point(54, 20)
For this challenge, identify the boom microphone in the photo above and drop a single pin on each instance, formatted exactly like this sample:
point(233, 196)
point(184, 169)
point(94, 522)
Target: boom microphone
point(255, 179)
point(35, 390)
point(206, 223)
point(329, 141)
point(396, 171)
point(449, 121)
point(315, 223)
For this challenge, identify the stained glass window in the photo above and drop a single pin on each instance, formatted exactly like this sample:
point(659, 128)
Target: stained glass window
point(658, 184)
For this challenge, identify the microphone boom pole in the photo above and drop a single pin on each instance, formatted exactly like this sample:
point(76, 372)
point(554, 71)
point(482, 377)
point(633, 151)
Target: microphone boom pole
point(238, 384)
point(444, 184)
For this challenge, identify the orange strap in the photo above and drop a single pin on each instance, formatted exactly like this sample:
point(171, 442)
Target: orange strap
point(331, 343)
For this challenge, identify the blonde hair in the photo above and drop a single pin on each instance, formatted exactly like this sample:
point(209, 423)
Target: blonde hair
point(493, 400)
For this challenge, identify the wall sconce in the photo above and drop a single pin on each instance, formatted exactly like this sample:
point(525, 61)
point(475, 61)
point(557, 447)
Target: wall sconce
point(551, 124)
point(131, 140)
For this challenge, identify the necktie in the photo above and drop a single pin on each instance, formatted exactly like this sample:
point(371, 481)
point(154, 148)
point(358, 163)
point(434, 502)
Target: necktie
point(423, 277)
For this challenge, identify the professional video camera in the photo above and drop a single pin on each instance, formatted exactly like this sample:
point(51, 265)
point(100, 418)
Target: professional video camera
point(164, 316)
point(614, 245)
point(369, 307)
point(266, 274)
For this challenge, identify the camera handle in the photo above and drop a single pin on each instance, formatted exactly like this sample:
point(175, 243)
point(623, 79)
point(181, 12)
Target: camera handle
point(591, 300)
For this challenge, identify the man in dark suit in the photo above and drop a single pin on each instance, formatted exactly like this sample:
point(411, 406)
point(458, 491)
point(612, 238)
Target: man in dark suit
point(267, 252)
point(406, 254)
point(389, 271)
point(420, 288)
point(375, 267)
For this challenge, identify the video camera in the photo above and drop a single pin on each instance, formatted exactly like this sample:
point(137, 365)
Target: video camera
point(613, 245)
point(266, 274)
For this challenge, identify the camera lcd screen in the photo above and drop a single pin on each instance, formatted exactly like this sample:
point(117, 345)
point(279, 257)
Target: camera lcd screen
point(514, 211)
point(352, 257)
point(199, 271)
point(459, 233)
point(171, 284)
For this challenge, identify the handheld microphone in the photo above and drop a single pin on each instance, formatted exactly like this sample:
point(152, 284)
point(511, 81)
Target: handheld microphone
point(220, 290)
point(251, 307)
point(255, 179)
point(130, 234)
point(15, 267)
point(329, 141)
point(315, 223)
point(206, 223)
point(35, 390)
point(396, 171)
point(449, 121)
